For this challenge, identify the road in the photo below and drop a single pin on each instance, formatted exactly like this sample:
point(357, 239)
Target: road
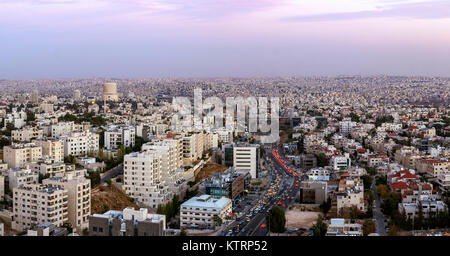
point(377, 214)
point(111, 173)
point(284, 197)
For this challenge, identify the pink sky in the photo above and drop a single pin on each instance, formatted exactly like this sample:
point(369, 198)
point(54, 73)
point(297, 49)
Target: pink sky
point(145, 38)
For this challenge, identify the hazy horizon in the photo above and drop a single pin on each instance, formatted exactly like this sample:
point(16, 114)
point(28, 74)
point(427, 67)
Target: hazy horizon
point(138, 39)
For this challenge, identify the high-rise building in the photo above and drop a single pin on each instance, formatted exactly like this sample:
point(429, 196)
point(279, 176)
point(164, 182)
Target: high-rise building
point(110, 92)
point(52, 149)
point(35, 97)
point(35, 204)
point(120, 135)
point(79, 198)
point(81, 143)
point(20, 154)
point(246, 157)
point(76, 95)
point(144, 178)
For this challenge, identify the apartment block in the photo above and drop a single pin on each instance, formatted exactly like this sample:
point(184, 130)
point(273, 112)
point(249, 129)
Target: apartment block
point(341, 162)
point(120, 135)
point(19, 155)
point(61, 129)
point(169, 151)
point(246, 157)
point(144, 178)
point(79, 198)
point(343, 227)
point(199, 211)
point(52, 149)
point(48, 168)
point(21, 176)
point(350, 193)
point(129, 222)
point(35, 204)
point(81, 143)
point(26, 134)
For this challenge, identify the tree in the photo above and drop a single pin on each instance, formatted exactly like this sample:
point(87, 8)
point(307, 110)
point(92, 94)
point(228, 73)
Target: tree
point(322, 160)
point(276, 219)
point(367, 181)
point(94, 177)
point(354, 117)
point(320, 228)
point(368, 227)
point(4, 142)
point(217, 220)
point(325, 206)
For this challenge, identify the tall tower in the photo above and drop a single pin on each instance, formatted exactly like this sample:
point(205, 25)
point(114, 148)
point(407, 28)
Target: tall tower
point(110, 92)
point(35, 97)
point(77, 95)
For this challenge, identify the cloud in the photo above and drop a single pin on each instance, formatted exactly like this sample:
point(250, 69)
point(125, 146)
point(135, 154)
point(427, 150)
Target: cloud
point(418, 10)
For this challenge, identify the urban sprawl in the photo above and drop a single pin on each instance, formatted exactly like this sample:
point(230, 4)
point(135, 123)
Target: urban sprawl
point(356, 156)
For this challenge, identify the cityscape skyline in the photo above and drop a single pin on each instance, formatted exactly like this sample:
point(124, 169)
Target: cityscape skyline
point(142, 39)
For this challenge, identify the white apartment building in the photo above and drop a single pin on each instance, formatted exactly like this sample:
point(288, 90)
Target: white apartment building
point(48, 168)
point(319, 174)
point(444, 180)
point(52, 149)
point(345, 127)
point(61, 129)
point(20, 154)
point(343, 162)
point(26, 134)
point(35, 204)
point(225, 136)
point(79, 198)
point(144, 180)
point(246, 157)
point(428, 206)
point(47, 107)
point(18, 119)
point(350, 193)
point(120, 135)
point(193, 146)
point(199, 211)
point(170, 164)
point(341, 227)
point(81, 143)
point(18, 177)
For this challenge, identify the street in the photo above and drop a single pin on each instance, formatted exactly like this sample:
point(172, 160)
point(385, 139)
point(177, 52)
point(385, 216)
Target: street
point(377, 214)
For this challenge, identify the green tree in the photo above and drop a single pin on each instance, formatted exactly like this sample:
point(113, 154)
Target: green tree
point(217, 220)
point(325, 206)
point(320, 228)
point(94, 177)
point(367, 181)
point(322, 160)
point(276, 219)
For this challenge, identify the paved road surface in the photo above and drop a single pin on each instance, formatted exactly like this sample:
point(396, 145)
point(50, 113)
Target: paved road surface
point(377, 214)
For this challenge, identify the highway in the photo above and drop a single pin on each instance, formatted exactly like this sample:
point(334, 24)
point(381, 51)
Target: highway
point(285, 196)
